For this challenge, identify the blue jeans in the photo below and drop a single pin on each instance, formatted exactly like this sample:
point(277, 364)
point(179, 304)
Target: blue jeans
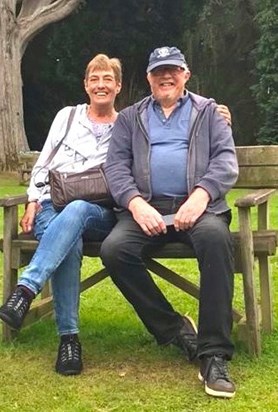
point(59, 254)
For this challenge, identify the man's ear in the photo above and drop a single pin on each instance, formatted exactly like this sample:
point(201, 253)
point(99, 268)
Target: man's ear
point(187, 76)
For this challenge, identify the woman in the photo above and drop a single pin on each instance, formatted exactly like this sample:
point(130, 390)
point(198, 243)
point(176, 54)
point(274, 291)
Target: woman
point(59, 253)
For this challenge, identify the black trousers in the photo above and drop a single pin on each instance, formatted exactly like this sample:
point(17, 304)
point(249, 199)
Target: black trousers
point(210, 237)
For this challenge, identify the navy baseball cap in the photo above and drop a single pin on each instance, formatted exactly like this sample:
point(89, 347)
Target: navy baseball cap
point(165, 56)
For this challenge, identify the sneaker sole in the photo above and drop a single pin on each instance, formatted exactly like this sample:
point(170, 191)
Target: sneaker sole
point(212, 392)
point(9, 321)
point(69, 372)
point(193, 324)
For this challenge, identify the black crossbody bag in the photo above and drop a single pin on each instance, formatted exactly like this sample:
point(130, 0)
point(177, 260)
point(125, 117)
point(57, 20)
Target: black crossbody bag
point(90, 185)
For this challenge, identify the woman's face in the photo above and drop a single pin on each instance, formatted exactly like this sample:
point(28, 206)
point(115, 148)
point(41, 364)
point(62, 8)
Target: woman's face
point(102, 87)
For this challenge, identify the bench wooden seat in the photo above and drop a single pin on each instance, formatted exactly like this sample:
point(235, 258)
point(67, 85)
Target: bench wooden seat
point(258, 170)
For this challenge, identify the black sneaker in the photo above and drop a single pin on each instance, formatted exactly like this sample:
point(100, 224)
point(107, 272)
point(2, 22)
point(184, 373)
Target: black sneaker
point(186, 339)
point(214, 373)
point(69, 361)
point(15, 309)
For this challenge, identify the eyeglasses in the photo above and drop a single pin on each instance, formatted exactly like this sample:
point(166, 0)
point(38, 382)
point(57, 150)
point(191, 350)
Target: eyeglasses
point(173, 70)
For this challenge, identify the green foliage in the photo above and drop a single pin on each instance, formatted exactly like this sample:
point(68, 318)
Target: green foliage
point(266, 87)
point(128, 30)
point(217, 36)
point(53, 67)
point(220, 54)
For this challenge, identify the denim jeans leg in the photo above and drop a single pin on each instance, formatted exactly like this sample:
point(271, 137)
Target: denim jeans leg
point(66, 280)
point(66, 291)
point(59, 233)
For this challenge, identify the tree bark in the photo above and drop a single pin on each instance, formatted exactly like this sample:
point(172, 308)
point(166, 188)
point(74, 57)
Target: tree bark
point(16, 31)
point(12, 136)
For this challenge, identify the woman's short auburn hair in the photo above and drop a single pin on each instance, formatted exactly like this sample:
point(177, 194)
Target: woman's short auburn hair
point(103, 62)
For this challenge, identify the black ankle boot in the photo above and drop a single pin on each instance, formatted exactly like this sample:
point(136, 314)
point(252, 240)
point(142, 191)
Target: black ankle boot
point(15, 309)
point(69, 360)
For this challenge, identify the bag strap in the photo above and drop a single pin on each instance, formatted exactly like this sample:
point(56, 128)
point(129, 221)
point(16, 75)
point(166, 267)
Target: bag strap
point(56, 148)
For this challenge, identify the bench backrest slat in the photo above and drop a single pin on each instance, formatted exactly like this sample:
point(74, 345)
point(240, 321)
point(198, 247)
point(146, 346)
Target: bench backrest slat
point(258, 166)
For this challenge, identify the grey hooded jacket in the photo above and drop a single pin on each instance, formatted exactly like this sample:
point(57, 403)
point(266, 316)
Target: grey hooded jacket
point(212, 162)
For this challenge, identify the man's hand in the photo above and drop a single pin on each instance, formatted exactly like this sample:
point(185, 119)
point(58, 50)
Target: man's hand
point(27, 221)
point(147, 217)
point(191, 209)
point(225, 112)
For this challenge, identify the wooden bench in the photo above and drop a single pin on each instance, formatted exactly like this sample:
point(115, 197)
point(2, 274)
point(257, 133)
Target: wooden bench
point(258, 171)
point(26, 161)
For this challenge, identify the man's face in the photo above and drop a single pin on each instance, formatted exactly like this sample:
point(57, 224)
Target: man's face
point(168, 83)
point(102, 87)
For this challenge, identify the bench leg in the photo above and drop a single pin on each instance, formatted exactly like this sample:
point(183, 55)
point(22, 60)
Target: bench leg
point(251, 307)
point(265, 273)
point(266, 295)
point(9, 274)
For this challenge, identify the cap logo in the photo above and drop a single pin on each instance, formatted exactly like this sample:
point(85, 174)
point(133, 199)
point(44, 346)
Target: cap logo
point(166, 56)
point(163, 52)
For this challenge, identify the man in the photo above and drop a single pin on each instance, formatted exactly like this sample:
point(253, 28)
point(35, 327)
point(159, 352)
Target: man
point(172, 153)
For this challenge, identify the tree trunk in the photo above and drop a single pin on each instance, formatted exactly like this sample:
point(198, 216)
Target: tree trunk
point(20, 21)
point(12, 135)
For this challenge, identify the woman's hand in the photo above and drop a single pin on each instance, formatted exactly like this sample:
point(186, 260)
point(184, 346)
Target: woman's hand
point(225, 112)
point(27, 221)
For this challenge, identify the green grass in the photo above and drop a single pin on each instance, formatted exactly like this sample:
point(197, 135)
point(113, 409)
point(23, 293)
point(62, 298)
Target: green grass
point(125, 371)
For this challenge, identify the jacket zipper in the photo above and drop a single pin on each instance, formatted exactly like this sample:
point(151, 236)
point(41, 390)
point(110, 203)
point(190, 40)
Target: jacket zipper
point(192, 136)
point(141, 126)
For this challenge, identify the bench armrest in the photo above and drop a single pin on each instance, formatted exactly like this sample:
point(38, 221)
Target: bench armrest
point(13, 200)
point(255, 198)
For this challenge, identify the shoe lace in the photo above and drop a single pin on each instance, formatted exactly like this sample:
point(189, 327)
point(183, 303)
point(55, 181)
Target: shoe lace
point(70, 351)
point(187, 340)
point(220, 368)
point(190, 339)
point(18, 303)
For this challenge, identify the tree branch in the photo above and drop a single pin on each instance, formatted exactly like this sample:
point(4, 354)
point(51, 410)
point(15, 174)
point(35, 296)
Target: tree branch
point(28, 7)
point(45, 12)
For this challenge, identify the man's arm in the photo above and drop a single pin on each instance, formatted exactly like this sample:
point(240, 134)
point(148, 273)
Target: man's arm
point(118, 171)
point(118, 165)
point(222, 170)
point(220, 176)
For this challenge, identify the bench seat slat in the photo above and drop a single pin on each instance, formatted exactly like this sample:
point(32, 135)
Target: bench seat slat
point(265, 241)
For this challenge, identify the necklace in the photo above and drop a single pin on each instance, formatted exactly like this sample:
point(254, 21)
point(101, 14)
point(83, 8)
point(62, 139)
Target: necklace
point(99, 118)
point(99, 129)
